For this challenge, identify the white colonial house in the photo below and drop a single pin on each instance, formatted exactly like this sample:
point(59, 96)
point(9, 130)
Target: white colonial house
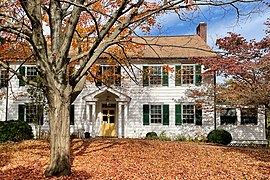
point(158, 102)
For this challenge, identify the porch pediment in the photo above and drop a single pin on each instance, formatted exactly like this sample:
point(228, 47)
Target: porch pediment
point(94, 96)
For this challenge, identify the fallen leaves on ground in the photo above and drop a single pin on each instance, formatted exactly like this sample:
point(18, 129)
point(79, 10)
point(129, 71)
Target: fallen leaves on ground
point(137, 159)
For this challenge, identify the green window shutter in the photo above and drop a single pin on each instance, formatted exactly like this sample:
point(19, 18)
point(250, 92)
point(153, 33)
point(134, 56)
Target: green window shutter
point(178, 80)
point(198, 114)
point(99, 74)
point(145, 114)
point(145, 76)
point(165, 114)
point(22, 72)
point(21, 108)
point(165, 79)
point(178, 115)
point(118, 73)
point(72, 111)
point(198, 77)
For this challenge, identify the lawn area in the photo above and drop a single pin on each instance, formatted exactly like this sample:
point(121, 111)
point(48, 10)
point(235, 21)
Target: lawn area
point(138, 159)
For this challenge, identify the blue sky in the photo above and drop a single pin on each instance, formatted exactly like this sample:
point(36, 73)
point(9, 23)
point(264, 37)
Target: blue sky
point(219, 22)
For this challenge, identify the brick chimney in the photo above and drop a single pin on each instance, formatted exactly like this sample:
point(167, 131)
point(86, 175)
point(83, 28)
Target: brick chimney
point(201, 31)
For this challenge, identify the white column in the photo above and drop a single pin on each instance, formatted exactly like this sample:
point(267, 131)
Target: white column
point(238, 114)
point(125, 119)
point(119, 120)
point(87, 118)
point(94, 120)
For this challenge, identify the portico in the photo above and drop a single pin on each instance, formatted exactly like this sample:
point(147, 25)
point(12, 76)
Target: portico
point(106, 113)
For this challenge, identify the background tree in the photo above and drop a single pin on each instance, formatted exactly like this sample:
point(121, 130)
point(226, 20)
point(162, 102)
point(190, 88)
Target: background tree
point(61, 32)
point(245, 65)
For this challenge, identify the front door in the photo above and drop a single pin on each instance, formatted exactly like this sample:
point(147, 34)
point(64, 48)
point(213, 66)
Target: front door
point(108, 126)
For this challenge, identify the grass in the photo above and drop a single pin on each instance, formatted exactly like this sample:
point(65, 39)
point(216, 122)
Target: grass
point(137, 159)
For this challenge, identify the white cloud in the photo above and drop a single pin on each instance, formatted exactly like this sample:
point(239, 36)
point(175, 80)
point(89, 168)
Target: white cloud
point(252, 28)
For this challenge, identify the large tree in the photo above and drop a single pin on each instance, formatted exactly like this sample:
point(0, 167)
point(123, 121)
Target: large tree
point(61, 32)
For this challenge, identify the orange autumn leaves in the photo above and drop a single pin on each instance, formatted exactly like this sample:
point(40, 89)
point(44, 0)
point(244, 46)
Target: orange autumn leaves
point(14, 49)
point(137, 159)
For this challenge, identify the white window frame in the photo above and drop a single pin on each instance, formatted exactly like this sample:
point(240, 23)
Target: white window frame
point(149, 72)
point(188, 114)
point(30, 72)
point(28, 115)
point(156, 114)
point(183, 75)
point(112, 78)
point(155, 71)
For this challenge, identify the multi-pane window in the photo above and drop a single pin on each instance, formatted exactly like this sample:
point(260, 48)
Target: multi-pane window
point(188, 74)
point(31, 72)
point(188, 114)
point(34, 113)
point(109, 75)
point(249, 116)
point(228, 116)
point(3, 77)
point(155, 75)
point(155, 113)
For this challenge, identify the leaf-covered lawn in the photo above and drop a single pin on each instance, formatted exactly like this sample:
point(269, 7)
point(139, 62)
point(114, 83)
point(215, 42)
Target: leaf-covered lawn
point(137, 159)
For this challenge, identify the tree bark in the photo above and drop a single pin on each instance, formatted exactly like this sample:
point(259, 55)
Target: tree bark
point(59, 110)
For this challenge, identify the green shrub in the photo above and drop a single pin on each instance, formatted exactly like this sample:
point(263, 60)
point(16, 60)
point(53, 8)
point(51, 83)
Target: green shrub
point(181, 138)
point(151, 135)
point(219, 136)
point(164, 137)
point(15, 131)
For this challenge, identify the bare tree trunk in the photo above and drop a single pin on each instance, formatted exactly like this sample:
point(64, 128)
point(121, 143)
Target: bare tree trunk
point(59, 109)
